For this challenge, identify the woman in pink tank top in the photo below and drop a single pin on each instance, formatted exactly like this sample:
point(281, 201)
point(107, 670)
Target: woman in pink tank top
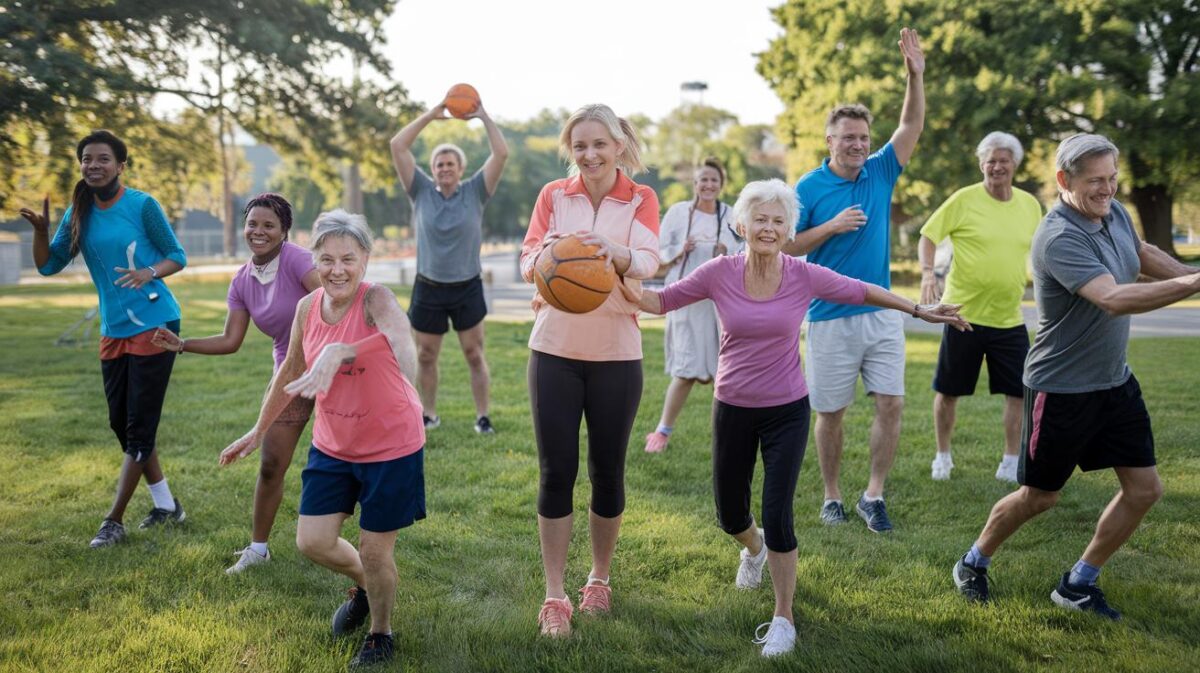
point(351, 349)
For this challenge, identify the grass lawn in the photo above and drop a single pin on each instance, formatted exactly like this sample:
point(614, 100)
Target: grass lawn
point(470, 574)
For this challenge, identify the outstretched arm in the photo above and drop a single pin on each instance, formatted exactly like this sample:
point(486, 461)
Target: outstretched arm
point(946, 314)
point(1115, 299)
point(402, 142)
point(912, 117)
point(494, 166)
point(1161, 266)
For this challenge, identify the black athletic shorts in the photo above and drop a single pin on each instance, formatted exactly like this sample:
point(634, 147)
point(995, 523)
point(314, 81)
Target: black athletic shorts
point(1096, 430)
point(435, 304)
point(962, 353)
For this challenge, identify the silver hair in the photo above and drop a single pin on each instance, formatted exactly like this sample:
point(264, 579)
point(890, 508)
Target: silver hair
point(452, 148)
point(999, 140)
point(342, 224)
point(761, 192)
point(1073, 151)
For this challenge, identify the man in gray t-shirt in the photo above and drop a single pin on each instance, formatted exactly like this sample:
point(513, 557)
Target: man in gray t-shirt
point(1083, 406)
point(448, 221)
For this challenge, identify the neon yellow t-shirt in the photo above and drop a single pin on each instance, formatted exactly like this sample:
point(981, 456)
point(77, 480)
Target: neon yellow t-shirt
point(991, 245)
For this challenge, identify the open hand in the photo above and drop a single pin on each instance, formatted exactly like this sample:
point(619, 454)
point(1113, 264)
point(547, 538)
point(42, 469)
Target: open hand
point(133, 278)
point(945, 314)
point(167, 340)
point(40, 222)
point(910, 47)
point(632, 296)
point(850, 219)
point(930, 292)
point(241, 448)
point(319, 377)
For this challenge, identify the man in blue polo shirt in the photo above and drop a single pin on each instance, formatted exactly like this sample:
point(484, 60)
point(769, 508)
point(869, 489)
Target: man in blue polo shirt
point(845, 225)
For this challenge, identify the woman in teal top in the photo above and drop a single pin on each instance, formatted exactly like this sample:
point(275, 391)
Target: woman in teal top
point(129, 248)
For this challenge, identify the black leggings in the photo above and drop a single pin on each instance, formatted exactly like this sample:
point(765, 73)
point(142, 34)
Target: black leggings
point(607, 394)
point(135, 386)
point(738, 432)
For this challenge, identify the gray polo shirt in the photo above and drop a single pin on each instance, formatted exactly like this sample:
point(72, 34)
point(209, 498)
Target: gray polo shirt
point(1079, 348)
point(449, 230)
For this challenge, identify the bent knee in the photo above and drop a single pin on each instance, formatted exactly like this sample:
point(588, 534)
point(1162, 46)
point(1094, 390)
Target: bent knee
point(1146, 495)
point(1038, 500)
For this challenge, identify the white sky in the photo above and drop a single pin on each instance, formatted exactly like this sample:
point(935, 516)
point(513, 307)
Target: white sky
point(526, 55)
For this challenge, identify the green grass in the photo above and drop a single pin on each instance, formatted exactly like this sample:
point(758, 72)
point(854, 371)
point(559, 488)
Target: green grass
point(470, 574)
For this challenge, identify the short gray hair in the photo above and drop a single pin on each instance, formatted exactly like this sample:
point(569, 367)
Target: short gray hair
point(999, 140)
point(341, 224)
point(1080, 147)
point(761, 192)
point(453, 149)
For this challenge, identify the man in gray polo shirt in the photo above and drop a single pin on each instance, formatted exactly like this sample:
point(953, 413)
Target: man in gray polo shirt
point(448, 220)
point(1083, 406)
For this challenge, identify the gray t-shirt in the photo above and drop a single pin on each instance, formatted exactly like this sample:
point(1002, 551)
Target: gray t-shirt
point(1079, 348)
point(449, 230)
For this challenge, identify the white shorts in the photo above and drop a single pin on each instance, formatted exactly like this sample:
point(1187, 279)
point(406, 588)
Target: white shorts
point(839, 350)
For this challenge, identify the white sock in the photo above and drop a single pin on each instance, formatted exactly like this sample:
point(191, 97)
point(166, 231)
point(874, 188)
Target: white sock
point(1008, 460)
point(259, 548)
point(829, 501)
point(872, 498)
point(161, 493)
point(592, 579)
point(943, 455)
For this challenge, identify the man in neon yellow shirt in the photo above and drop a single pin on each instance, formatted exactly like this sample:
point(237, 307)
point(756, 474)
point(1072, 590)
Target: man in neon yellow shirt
point(991, 226)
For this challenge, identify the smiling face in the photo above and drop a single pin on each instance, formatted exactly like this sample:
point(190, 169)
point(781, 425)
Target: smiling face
point(1092, 188)
point(447, 171)
point(263, 231)
point(341, 264)
point(998, 168)
point(849, 143)
point(707, 183)
point(594, 150)
point(99, 166)
point(767, 230)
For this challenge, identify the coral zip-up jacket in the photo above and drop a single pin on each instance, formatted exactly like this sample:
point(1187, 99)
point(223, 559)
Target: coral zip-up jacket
point(628, 215)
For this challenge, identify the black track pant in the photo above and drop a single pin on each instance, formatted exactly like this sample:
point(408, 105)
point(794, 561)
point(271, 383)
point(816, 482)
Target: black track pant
point(135, 386)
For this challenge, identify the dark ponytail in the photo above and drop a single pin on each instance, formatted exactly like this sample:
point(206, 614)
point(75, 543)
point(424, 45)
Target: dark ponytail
point(82, 198)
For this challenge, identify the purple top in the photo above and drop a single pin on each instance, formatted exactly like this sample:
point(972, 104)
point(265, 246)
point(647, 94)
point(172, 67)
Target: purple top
point(272, 307)
point(759, 361)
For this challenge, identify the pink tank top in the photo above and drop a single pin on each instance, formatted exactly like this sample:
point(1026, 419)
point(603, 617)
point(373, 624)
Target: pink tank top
point(370, 413)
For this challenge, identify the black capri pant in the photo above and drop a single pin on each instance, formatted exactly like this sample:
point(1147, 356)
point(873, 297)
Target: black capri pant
point(135, 387)
point(738, 432)
point(561, 392)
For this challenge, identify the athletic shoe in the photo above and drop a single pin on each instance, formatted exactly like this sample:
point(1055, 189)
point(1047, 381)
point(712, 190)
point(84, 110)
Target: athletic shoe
point(483, 425)
point(833, 513)
point(750, 570)
point(246, 558)
point(780, 637)
point(1007, 471)
point(110, 533)
point(874, 512)
point(656, 442)
point(596, 598)
point(555, 617)
point(377, 648)
point(942, 464)
point(1083, 597)
point(353, 613)
point(973, 583)
point(159, 516)
point(431, 422)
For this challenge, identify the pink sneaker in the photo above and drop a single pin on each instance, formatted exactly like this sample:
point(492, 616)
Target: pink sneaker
point(597, 598)
point(656, 442)
point(555, 617)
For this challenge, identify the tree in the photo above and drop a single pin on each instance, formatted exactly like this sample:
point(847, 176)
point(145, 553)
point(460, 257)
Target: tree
point(1042, 71)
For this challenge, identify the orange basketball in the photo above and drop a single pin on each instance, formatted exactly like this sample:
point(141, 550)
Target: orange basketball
point(570, 279)
point(461, 100)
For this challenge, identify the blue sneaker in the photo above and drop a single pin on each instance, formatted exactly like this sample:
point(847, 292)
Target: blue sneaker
point(833, 513)
point(875, 514)
point(1083, 597)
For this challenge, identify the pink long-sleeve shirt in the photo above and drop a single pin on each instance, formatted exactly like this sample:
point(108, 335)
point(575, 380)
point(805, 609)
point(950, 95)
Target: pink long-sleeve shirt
point(759, 361)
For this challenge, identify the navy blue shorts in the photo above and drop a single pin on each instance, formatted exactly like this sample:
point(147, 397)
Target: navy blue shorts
point(392, 492)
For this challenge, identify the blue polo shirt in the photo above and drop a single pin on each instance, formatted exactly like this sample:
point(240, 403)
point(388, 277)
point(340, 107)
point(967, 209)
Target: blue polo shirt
point(864, 254)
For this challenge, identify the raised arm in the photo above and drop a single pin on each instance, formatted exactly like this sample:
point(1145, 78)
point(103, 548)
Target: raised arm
point(385, 312)
point(41, 232)
point(402, 142)
point(1117, 299)
point(912, 116)
point(494, 166)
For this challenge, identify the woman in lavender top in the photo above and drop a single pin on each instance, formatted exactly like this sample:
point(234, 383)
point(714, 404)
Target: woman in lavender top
point(265, 290)
point(761, 397)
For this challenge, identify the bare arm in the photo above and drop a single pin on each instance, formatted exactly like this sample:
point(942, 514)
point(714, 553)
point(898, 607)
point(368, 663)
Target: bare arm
point(229, 341)
point(385, 312)
point(850, 219)
point(1161, 266)
point(646, 300)
point(926, 251)
point(494, 166)
point(937, 314)
point(912, 116)
point(1103, 291)
point(41, 232)
point(402, 142)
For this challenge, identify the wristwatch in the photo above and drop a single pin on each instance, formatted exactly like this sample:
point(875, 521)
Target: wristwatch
point(915, 310)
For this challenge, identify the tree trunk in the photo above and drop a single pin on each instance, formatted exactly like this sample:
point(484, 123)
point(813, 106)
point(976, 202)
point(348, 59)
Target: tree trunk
point(1154, 204)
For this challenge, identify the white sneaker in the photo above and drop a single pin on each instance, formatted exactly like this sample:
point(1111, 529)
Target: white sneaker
point(246, 558)
point(749, 574)
point(1007, 470)
point(779, 639)
point(942, 464)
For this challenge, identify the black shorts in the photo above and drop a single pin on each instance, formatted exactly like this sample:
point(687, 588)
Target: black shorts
point(1096, 430)
point(434, 304)
point(962, 353)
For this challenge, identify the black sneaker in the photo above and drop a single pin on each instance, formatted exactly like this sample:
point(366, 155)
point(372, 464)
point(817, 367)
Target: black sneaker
point(353, 613)
point(1083, 597)
point(833, 513)
point(431, 422)
point(874, 513)
point(483, 425)
point(158, 517)
point(110, 533)
point(377, 648)
point(973, 583)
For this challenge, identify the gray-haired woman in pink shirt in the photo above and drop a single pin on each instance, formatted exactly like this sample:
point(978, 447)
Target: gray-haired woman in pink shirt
point(761, 397)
